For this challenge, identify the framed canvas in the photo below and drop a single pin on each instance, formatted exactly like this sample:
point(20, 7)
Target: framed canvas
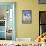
point(42, 1)
point(26, 16)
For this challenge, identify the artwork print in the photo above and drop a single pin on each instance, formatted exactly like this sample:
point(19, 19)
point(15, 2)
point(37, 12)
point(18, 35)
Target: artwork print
point(26, 16)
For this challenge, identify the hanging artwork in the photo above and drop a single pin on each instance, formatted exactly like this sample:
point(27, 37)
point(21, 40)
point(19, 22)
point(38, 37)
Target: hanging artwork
point(42, 1)
point(26, 16)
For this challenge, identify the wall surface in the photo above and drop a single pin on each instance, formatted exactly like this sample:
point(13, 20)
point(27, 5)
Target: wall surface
point(27, 30)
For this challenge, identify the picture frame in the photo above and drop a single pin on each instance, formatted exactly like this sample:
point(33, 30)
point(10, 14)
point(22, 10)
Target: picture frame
point(42, 1)
point(26, 16)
